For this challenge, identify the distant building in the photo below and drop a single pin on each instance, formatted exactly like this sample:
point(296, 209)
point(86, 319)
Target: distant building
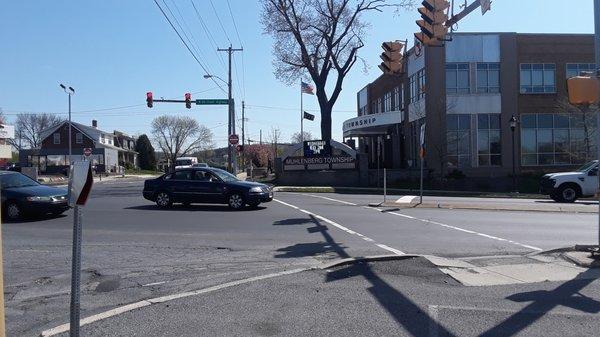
point(466, 94)
point(109, 150)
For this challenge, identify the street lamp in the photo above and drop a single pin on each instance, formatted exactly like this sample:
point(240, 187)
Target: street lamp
point(69, 91)
point(513, 125)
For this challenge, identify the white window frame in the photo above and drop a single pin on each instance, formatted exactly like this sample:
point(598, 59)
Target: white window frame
point(56, 138)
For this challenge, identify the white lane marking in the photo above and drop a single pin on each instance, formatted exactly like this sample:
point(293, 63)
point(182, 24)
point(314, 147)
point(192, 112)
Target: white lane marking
point(462, 230)
point(330, 199)
point(407, 199)
point(345, 229)
point(393, 250)
point(433, 322)
point(129, 307)
point(153, 284)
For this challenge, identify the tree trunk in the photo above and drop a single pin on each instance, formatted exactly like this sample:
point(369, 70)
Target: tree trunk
point(326, 123)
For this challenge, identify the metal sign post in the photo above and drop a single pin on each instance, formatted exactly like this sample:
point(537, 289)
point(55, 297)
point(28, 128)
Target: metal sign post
point(80, 185)
point(422, 155)
point(597, 57)
point(6, 132)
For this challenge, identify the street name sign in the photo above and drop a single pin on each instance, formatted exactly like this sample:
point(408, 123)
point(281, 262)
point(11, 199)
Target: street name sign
point(212, 101)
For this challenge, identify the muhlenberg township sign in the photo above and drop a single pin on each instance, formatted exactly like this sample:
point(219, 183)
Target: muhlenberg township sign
point(319, 163)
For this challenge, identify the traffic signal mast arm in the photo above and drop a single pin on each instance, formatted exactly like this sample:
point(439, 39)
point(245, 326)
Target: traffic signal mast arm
point(473, 6)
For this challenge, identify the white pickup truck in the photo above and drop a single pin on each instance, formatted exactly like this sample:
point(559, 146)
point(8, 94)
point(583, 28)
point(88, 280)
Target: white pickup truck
point(569, 186)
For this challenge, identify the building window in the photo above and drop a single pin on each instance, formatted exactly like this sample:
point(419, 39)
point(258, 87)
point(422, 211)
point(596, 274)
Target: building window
point(398, 99)
point(79, 138)
point(421, 83)
point(488, 77)
point(538, 78)
point(457, 78)
point(413, 88)
point(575, 69)
point(56, 138)
point(417, 86)
point(458, 136)
point(488, 140)
point(557, 139)
point(387, 102)
point(379, 105)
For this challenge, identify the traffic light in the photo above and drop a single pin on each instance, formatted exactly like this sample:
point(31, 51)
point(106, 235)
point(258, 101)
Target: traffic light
point(583, 90)
point(392, 58)
point(149, 99)
point(433, 17)
point(188, 100)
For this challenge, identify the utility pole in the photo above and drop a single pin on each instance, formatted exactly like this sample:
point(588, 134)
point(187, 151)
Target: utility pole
point(231, 161)
point(260, 139)
point(243, 135)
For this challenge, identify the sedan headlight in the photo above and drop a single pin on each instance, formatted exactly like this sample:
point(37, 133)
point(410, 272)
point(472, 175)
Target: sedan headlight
point(256, 189)
point(39, 199)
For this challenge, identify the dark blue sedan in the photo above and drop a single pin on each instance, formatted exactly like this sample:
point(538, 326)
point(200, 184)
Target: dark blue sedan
point(23, 196)
point(205, 185)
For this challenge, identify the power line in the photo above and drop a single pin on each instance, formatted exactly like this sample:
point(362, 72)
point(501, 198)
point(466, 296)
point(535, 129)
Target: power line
point(219, 20)
point(193, 41)
point(16, 112)
point(289, 108)
point(234, 24)
point(186, 45)
point(209, 35)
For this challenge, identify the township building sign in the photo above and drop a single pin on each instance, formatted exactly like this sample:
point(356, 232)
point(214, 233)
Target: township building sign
point(319, 163)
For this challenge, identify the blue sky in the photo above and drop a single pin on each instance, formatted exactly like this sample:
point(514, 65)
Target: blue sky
point(113, 51)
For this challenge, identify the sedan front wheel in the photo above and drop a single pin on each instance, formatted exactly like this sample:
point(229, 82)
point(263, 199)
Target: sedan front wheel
point(13, 211)
point(163, 200)
point(236, 201)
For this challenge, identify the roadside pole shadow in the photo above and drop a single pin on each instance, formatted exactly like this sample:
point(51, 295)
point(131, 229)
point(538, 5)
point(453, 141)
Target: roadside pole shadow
point(405, 312)
point(309, 249)
point(567, 294)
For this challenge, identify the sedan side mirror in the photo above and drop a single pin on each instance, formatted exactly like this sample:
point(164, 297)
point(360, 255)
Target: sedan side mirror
point(593, 173)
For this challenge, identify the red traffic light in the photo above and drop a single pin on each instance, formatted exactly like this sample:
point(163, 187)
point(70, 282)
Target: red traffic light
point(149, 99)
point(188, 100)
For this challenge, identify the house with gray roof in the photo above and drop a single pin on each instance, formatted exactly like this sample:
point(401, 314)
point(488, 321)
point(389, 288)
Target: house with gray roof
point(109, 150)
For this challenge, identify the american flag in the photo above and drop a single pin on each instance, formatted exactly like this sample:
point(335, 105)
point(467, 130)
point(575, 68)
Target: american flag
point(307, 88)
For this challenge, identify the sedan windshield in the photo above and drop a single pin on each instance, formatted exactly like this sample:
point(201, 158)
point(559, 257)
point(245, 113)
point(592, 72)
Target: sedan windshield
point(16, 180)
point(224, 175)
point(587, 166)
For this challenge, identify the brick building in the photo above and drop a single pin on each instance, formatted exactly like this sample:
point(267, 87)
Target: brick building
point(466, 94)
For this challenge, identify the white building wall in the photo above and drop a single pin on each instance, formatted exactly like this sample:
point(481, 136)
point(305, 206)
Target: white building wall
point(473, 48)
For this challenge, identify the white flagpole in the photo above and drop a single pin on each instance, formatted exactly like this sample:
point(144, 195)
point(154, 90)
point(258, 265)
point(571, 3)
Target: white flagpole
point(301, 116)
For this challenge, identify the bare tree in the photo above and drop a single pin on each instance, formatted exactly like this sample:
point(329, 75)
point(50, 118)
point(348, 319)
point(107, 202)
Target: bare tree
point(28, 129)
point(178, 136)
point(319, 38)
point(585, 117)
point(297, 137)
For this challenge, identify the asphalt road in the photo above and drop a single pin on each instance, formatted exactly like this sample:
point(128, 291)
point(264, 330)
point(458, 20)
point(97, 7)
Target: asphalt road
point(134, 251)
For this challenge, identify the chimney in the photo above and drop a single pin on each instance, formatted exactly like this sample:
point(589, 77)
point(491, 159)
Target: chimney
point(94, 123)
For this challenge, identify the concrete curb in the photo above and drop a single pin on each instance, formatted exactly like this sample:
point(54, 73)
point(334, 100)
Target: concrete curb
point(516, 208)
point(374, 258)
point(371, 190)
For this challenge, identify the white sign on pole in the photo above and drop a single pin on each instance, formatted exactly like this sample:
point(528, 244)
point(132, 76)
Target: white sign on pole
point(7, 131)
point(80, 182)
point(422, 136)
